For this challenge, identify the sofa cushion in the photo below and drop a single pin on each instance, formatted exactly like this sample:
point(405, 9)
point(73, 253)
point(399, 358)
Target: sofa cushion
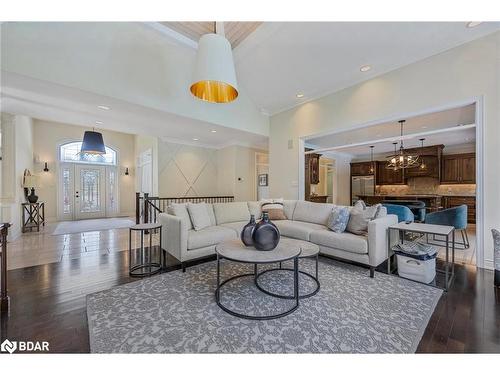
point(289, 208)
point(211, 214)
point(311, 212)
point(237, 226)
point(230, 212)
point(198, 212)
point(297, 229)
point(209, 236)
point(180, 210)
point(343, 241)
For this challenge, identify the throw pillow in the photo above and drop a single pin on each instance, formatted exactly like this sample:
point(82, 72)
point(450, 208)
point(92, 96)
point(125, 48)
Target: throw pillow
point(198, 212)
point(358, 220)
point(338, 219)
point(360, 204)
point(274, 210)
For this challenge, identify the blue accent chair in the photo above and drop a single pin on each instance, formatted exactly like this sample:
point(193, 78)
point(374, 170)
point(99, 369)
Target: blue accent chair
point(455, 217)
point(417, 207)
point(403, 213)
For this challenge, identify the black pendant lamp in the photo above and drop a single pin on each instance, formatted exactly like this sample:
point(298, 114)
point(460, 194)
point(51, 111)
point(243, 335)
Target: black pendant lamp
point(93, 143)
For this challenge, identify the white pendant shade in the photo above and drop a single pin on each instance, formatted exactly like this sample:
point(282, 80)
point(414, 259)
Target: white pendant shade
point(214, 77)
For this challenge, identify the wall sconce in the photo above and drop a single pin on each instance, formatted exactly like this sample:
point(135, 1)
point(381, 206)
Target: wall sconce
point(46, 167)
point(126, 171)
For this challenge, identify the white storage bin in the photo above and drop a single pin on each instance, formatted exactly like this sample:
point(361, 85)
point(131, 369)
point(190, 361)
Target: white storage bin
point(415, 269)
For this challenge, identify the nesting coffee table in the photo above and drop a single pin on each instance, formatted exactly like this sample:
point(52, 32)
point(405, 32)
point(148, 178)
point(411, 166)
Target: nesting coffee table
point(287, 249)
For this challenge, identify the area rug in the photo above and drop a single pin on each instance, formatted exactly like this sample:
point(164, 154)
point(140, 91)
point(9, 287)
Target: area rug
point(91, 225)
point(176, 313)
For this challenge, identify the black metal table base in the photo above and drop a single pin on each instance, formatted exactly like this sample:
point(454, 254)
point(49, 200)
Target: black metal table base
point(154, 268)
point(255, 275)
point(316, 290)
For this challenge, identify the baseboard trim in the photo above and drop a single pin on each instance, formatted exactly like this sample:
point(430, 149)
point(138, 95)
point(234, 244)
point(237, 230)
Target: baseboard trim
point(488, 264)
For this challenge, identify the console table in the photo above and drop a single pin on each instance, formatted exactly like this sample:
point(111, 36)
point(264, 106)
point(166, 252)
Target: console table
point(425, 229)
point(33, 216)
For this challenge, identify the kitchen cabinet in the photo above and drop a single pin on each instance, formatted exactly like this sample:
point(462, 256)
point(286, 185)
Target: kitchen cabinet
point(362, 169)
point(314, 168)
point(458, 169)
point(431, 167)
point(470, 202)
point(385, 176)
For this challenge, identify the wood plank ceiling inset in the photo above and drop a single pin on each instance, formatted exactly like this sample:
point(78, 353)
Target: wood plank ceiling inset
point(235, 32)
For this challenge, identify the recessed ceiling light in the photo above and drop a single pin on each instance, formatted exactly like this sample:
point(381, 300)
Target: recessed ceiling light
point(473, 24)
point(365, 68)
point(299, 96)
point(424, 127)
point(99, 122)
point(213, 131)
point(195, 139)
point(104, 107)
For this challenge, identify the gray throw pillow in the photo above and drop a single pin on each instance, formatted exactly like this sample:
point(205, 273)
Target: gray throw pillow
point(198, 212)
point(359, 219)
point(338, 219)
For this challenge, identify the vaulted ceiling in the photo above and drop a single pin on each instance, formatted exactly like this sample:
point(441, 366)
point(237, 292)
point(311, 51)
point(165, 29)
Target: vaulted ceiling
point(235, 32)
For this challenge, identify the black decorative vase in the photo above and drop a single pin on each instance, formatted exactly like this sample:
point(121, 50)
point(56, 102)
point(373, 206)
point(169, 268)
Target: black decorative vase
point(246, 233)
point(32, 198)
point(266, 235)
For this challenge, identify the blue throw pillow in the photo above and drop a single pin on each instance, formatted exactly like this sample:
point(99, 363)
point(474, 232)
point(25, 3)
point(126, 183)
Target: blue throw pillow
point(338, 219)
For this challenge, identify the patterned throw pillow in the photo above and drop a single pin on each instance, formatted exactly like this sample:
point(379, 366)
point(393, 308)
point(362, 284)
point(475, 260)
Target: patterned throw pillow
point(338, 219)
point(274, 208)
point(358, 219)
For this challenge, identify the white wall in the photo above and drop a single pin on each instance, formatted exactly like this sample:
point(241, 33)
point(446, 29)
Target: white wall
point(124, 60)
point(457, 75)
point(188, 170)
point(18, 131)
point(49, 135)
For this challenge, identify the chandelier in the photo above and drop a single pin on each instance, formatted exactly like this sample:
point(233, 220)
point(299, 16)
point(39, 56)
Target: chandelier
point(401, 160)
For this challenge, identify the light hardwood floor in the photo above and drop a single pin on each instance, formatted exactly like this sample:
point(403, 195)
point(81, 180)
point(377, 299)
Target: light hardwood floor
point(37, 248)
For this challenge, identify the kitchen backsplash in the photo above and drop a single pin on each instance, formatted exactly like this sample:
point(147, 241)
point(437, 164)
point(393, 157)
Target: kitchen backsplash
point(426, 185)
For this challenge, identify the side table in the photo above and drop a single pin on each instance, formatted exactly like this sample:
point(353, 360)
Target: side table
point(148, 264)
point(33, 216)
point(441, 230)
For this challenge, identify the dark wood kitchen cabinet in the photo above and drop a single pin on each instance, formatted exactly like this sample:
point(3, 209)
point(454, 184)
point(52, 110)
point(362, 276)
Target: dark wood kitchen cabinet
point(313, 163)
point(362, 169)
point(458, 169)
point(385, 176)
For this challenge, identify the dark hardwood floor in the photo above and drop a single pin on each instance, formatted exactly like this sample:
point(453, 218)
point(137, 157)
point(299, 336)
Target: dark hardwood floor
point(48, 304)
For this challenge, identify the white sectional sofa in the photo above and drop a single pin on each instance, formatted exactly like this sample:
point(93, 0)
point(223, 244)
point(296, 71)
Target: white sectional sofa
point(305, 221)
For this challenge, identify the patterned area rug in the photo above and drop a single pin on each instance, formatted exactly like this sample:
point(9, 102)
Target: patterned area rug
point(177, 313)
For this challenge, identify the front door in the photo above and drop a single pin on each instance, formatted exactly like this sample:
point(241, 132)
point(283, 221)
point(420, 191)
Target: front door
point(90, 191)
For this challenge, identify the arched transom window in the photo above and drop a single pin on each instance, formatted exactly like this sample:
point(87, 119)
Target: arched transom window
point(70, 152)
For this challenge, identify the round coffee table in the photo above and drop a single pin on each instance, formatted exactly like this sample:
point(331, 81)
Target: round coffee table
point(236, 251)
point(309, 250)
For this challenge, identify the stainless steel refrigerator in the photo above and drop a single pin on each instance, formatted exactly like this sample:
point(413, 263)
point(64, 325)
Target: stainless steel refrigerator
point(362, 185)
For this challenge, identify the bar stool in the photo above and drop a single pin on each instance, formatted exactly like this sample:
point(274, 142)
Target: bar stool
point(148, 264)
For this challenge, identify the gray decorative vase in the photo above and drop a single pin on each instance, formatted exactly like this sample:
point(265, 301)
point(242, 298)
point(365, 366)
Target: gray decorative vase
point(247, 232)
point(266, 235)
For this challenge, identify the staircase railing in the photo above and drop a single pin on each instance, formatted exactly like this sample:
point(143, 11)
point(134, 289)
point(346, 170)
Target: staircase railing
point(148, 208)
point(4, 298)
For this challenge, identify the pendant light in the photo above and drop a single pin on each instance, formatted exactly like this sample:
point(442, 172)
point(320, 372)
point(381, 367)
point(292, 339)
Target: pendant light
point(214, 78)
point(423, 166)
point(400, 160)
point(372, 169)
point(93, 143)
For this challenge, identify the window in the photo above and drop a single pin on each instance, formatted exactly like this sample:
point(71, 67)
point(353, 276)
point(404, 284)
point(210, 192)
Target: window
point(70, 152)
